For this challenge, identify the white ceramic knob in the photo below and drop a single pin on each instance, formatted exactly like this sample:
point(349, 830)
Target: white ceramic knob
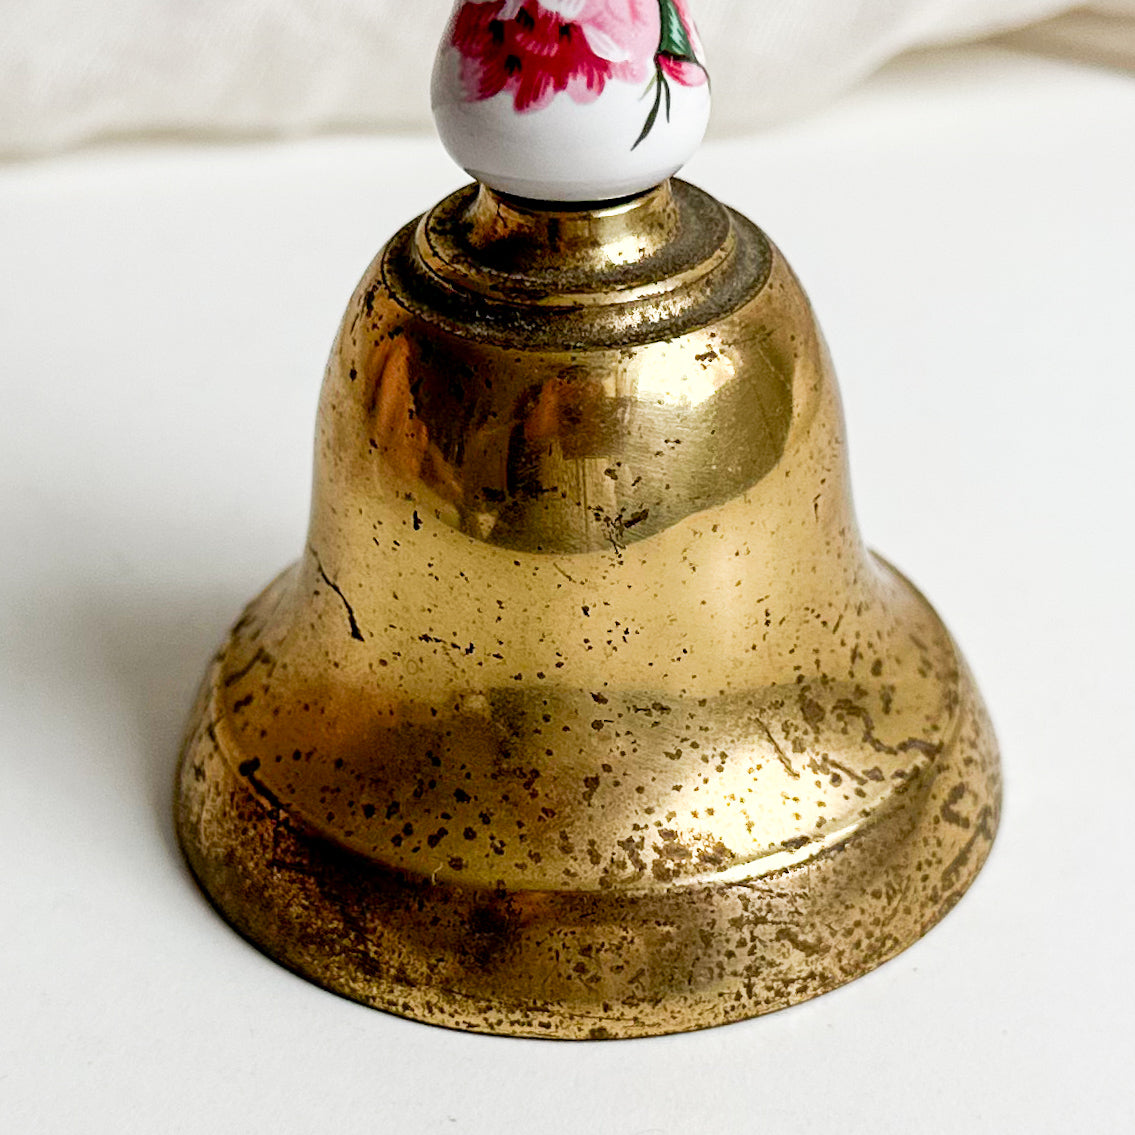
point(571, 100)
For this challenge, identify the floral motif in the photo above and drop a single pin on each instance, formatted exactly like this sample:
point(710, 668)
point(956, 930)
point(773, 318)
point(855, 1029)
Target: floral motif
point(676, 58)
point(536, 49)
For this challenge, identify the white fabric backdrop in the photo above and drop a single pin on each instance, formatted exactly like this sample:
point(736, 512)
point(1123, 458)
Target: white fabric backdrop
point(73, 70)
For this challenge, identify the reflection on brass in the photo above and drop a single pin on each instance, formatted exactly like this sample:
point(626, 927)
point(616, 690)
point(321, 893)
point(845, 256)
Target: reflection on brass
point(585, 712)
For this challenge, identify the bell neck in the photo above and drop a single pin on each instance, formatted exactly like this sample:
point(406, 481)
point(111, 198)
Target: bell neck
point(517, 235)
point(481, 245)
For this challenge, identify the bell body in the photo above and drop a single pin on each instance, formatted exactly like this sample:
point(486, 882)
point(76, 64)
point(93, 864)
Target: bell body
point(585, 712)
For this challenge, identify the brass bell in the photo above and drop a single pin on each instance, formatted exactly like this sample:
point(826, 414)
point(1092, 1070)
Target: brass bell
point(585, 712)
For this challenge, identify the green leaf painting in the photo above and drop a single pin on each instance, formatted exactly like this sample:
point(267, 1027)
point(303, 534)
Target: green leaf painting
point(674, 48)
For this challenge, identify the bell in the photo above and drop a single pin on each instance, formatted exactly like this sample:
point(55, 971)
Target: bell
point(584, 712)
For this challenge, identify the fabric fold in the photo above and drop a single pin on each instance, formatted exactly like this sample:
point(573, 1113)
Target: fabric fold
point(71, 73)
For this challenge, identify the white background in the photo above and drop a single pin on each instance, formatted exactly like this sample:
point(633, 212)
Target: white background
point(965, 224)
point(82, 69)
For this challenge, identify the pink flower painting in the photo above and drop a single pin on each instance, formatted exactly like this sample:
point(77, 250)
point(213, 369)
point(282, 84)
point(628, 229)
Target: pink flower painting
point(537, 49)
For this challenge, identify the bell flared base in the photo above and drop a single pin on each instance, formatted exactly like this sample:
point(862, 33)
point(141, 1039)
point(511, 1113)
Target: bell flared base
point(655, 956)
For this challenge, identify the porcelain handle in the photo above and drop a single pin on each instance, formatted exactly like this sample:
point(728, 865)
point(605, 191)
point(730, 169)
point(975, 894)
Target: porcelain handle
point(571, 100)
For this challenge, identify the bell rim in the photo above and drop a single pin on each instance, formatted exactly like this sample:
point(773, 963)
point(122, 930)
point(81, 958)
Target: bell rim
point(233, 838)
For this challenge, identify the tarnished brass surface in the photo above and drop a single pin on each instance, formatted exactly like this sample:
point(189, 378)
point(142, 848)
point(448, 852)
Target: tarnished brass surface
point(585, 712)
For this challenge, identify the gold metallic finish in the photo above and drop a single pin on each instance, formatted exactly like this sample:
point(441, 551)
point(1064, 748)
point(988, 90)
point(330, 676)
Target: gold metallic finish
point(585, 711)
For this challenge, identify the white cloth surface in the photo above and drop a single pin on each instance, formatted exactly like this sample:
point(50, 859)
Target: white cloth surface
point(75, 70)
point(964, 227)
